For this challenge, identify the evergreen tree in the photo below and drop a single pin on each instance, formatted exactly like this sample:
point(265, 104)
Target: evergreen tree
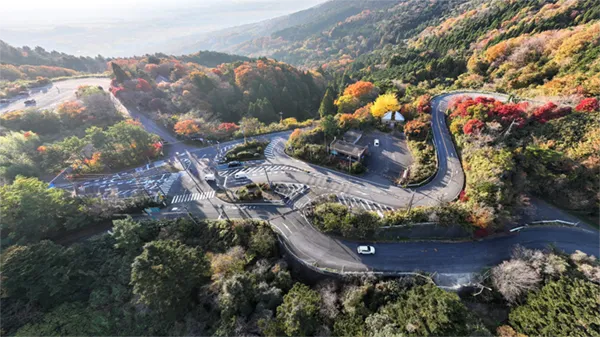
point(327, 106)
point(120, 74)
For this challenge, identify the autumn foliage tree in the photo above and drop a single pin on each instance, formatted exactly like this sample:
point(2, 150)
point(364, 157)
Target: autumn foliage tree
point(423, 104)
point(360, 89)
point(187, 127)
point(550, 111)
point(347, 104)
point(384, 104)
point(416, 129)
point(588, 105)
point(473, 126)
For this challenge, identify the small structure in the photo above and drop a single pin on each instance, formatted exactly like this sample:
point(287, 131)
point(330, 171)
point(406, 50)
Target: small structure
point(348, 150)
point(392, 117)
point(160, 79)
point(352, 136)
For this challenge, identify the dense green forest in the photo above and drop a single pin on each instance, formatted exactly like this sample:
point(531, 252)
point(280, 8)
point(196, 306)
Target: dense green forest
point(214, 277)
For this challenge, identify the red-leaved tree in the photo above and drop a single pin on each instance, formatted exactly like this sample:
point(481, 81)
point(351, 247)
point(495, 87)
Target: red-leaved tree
point(550, 111)
point(589, 104)
point(473, 126)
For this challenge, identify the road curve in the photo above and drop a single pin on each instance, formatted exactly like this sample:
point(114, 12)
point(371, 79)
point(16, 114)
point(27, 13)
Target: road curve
point(453, 259)
point(49, 96)
point(321, 251)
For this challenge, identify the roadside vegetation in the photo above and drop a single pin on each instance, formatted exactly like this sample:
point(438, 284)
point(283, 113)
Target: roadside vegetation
point(509, 149)
point(253, 149)
point(334, 218)
point(252, 192)
point(88, 135)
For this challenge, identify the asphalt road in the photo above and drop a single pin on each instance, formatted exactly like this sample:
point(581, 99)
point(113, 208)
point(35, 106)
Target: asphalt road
point(316, 249)
point(51, 95)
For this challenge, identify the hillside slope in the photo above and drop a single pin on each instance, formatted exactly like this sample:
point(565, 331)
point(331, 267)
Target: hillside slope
point(298, 25)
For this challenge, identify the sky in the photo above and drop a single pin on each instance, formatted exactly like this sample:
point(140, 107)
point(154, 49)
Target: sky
point(47, 13)
point(129, 27)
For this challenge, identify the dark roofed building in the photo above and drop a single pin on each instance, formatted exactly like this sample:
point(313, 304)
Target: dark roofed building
point(352, 136)
point(345, 149)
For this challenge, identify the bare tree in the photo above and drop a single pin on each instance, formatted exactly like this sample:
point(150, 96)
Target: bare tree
point(514, 278)
point(329, 299)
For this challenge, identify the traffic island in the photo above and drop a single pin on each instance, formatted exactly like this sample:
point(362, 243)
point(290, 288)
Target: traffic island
point(250, 193)
point(335, 219)
point(251, 150)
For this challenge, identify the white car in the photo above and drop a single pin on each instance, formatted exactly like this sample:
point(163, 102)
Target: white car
point(376, 142)
point(241, 175)
point(365, 250)
point(210, 177)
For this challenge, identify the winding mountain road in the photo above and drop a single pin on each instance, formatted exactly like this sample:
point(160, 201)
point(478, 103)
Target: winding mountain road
point(451, 260)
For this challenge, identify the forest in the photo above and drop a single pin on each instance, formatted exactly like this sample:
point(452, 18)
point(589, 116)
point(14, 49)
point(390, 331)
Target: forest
point(212, 103)
point(193, 276)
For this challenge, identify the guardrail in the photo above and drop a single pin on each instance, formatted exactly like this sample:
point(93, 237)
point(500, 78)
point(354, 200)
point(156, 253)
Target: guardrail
point(542, 222)
point(118, 105)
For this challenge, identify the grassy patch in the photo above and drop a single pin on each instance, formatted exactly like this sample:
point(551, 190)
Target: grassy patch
point(253, 149)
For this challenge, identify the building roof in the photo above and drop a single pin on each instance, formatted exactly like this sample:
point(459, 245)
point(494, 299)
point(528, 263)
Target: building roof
point(352, 136)
point(160, 79)
point(388, 117)
point(348, 149)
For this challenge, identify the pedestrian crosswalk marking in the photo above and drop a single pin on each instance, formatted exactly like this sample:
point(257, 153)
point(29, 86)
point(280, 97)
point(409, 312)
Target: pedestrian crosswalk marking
point(356, 202)
point(258, 170)
point(192, 197)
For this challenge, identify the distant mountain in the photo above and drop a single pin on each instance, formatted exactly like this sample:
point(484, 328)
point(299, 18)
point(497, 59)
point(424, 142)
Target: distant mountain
point(299, 24)
point(38, 56)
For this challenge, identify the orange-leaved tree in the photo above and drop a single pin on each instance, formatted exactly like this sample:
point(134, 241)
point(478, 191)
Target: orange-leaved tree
point(187, 127)
point(359, 89)
point(71, 110)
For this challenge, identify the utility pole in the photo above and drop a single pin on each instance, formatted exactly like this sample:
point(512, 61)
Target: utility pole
point(268, 180)
point(190, 215)
point(412, 197)
point(349, 164)
point(280, 117)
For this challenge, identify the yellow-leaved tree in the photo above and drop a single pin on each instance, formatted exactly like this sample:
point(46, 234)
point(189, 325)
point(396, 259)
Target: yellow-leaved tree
point(384, 104)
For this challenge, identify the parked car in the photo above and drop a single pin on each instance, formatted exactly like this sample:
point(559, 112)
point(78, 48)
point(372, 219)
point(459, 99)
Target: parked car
point(234, 164)
point(24, 93)
point(30, 102)
point(365, 250)
point(210, 177)
point(376, 143)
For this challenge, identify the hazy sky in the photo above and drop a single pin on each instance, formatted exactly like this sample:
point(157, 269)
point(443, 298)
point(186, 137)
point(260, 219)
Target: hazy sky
point(129, 27)
point(24, 13)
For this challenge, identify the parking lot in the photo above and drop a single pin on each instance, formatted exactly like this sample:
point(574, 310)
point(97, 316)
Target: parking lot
point(128, 186)
point(390, 158)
